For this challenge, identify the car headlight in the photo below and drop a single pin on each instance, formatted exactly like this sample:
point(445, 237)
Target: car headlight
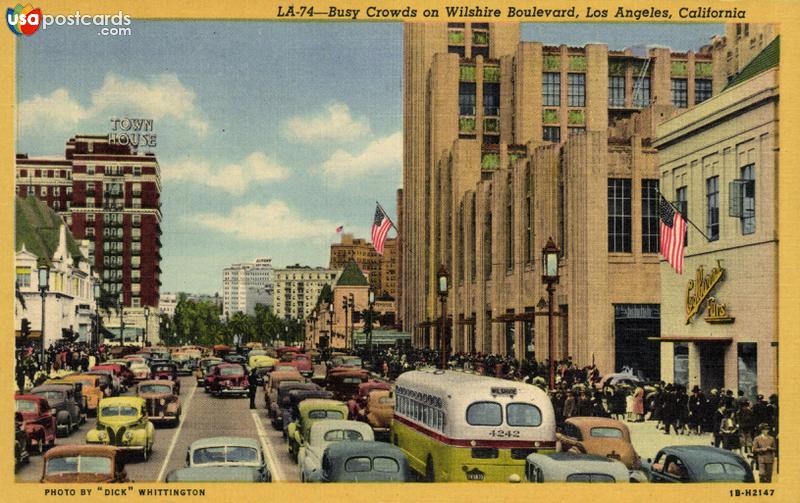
point(128, 435)
point(101, 435)
point(162, 401)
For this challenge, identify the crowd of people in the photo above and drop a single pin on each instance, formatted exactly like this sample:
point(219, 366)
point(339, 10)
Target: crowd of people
point(31, 371)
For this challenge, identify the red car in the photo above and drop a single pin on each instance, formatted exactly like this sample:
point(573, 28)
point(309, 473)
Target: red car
point(228, 379)
point(303, 363)
point(38, 422)
point(358, 403)
point(115, 371)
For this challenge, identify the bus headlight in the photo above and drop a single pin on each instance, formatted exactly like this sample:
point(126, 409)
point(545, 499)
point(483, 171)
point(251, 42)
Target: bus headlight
point(514, 478)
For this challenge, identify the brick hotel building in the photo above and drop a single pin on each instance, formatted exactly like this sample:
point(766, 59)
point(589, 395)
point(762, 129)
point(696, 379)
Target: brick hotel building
point(109, 195)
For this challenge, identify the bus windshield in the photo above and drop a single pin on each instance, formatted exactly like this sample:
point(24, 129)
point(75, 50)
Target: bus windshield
point(485, 414)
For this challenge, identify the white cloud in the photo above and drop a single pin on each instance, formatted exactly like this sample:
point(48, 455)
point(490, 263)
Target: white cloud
point(232, 178)
point(334, 123)
point(162, 96)
point(381, 154)
point(273, 222)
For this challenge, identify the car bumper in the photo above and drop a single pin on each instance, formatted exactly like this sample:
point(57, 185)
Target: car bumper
point(163, 418)
point(233, 391)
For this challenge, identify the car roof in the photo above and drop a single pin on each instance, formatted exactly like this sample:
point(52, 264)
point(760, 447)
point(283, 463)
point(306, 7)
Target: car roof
point(48, 387)
point(161, 382)
point(319, 428)
point(594, 422)
point(215, 474)
point(121, 400)
point(363, 448)
point(30, 398)
point(559, 465)
point(80, 450)
point(313, 403)
point(700, 453)
point(222, 441)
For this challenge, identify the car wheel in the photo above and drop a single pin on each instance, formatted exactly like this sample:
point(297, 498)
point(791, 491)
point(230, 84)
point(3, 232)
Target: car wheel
point(430, 472)
point(40, 445)
point(146, 452)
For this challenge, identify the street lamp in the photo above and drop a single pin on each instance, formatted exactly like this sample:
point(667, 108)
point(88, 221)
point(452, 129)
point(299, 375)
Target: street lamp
point(369, 325)
point(442, 284)
point(330, 322)
point(146, 316)
point(97, 294)
point(121, 319)
point(550, 278)
point(44, 286)
point(313, 319)
point(351, 304)
point(286, 328)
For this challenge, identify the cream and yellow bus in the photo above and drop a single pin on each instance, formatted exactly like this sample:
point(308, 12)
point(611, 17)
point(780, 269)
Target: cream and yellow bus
point(458, 427)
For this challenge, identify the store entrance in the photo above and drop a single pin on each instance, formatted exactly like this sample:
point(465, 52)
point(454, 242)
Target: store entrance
point(712, 366)
point(634, 324)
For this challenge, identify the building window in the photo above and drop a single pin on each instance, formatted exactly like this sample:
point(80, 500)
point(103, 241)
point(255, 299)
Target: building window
point(619, 215)
point(90, 169)
point(682, 202)
point(491, 99)
point(136, 234)
point(748, 199)
point(650, 227)
point(466, 98)
point(510, 224)
point(43, 190)
point(456, 49)
point(23, 277)
point(575, 130)
point(551, 133)
point(528, 216)
point(616, 91)
point(680, 363)
point(680, 93)
point(551, 89)
point(31, 191)
point(137, 171)
point(90, 202)
point(576, 89)
point(57, 191)
point(702, 90)
point(90, 218)
point(747, 365)
point(480, 51)
point(136, 302)
point(712, 208)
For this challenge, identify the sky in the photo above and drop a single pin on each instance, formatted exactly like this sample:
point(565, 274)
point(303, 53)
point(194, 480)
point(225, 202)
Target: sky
point(270, 134)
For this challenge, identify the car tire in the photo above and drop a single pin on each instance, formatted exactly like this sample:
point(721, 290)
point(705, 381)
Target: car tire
point(430, 471)
point(40, 445)
point(146, 452)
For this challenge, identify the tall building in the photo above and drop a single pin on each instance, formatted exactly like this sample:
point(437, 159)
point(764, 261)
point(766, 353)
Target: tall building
point(741, 43)
point(297, 288)
point(509, 143)
point(246, 285)
point(108, 194)
point(720, 159)
point(381, 270)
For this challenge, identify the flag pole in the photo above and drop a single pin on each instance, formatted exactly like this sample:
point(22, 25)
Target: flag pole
point(685, 217)
point(387, 216)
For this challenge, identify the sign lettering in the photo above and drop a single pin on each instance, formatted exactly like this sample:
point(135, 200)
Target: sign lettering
point(700, 288)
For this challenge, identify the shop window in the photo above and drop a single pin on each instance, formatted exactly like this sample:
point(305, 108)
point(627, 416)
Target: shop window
point(619, 215)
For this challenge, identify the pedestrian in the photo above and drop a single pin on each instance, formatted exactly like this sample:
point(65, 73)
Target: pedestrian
point(571, 405)
point(719, 416)
point(638, 404)
point(744, 417)
point(764, 450)
point(729, 431)
point(252, 387)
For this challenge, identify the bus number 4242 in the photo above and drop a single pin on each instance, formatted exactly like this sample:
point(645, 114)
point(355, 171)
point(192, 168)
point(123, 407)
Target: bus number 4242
point(504, 433)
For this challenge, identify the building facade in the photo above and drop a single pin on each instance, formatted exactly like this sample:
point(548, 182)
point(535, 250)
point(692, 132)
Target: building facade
point(246, 285)
point(297, 288)
point(109, 195)
point(509, 143)
point(167, 302)
point(336, 328)
point(720, 162)
point(69, 304)
point(381, 270)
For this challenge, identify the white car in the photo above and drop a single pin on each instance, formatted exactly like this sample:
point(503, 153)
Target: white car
point(141, 372)
point(323, 434)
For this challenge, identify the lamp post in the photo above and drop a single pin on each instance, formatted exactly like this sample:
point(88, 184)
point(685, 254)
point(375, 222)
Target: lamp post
point(442, 284)
point(330, 322)
point(44, 286)
point(286, 327)
point(121, 319)
point(97, 294)
point(550, 278)
point(369, 322)
point(344, 308)
point(349, 335)
point(146, 316)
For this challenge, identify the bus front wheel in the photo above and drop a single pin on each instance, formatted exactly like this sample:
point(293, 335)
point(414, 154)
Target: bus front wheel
point(430, 473)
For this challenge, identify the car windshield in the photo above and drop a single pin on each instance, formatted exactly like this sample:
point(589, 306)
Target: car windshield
point(727, 471)
point(606, 432)
point(154, 388)
point(119, 410)
point(51, 396)
point(285, 368)
point(385, 400)
point(351, 380)
point(78, 464)
point(485, 414)
point(352, 362)
point(24, 406)
point(223, 454)
point(325, 414)
point(341, 435)
point(301, 358)
point(231, 371)
point(162, 369)
point(523, 414)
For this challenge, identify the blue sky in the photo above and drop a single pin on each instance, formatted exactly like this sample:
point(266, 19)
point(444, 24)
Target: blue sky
point(270, 135)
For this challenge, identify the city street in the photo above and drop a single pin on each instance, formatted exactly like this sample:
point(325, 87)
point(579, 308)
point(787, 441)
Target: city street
point(203, 416)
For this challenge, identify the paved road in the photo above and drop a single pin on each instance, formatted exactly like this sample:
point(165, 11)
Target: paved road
point(202, 416)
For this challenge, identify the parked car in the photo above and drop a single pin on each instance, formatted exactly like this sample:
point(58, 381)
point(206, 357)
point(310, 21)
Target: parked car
point(202, 368)
point(228, 379)
point(62, 400)
point(90, 388)
point(364, 462)
point(308, 412)
point(344, 382)
point(697, 463)
point(76, 391)
point(276, 377)
point(282, 350)
point(296, 396)
point(218, 474)
point(344, 360)
point(161, 401)
point(38, 420)
point(601, 436)
point(282, 403)
point(83, 464)
point(323, 434)
point(573, 467)
point(227, 451)
point(123, 422)
point(21, 442)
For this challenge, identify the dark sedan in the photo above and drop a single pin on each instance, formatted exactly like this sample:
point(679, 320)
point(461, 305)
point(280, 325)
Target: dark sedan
point(697, 463)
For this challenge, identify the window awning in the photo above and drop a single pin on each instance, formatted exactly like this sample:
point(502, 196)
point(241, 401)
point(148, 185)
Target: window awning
point(685, 338)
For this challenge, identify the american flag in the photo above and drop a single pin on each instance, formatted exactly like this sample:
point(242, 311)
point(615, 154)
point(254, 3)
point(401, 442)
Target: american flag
point(672, 228)
point(380, 228)
point(339, 229)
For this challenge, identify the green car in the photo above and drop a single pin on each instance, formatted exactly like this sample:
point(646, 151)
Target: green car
point(123, 422)
point(308, 412)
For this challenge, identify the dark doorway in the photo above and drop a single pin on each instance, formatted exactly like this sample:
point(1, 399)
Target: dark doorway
point(712, 366)
point(634, 324)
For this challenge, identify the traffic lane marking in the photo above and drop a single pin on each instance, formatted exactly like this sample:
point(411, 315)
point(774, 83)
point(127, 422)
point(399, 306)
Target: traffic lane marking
point(266, 446)
point(184, 415)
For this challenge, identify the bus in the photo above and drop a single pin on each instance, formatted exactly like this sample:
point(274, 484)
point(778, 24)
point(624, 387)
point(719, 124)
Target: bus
point(458, 426)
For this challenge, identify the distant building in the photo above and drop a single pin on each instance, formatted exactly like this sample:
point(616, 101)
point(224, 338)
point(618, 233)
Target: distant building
point(351, 284)
point(381, 271)
point(42, 238)
point(297, 289)
point(741, 43)
point(167, 302)
point(246, 285)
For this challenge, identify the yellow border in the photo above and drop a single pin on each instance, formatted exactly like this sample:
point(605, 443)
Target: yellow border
point(782, 11)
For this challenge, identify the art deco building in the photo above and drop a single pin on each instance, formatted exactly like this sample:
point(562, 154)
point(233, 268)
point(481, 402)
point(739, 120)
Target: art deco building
point(381, 270)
